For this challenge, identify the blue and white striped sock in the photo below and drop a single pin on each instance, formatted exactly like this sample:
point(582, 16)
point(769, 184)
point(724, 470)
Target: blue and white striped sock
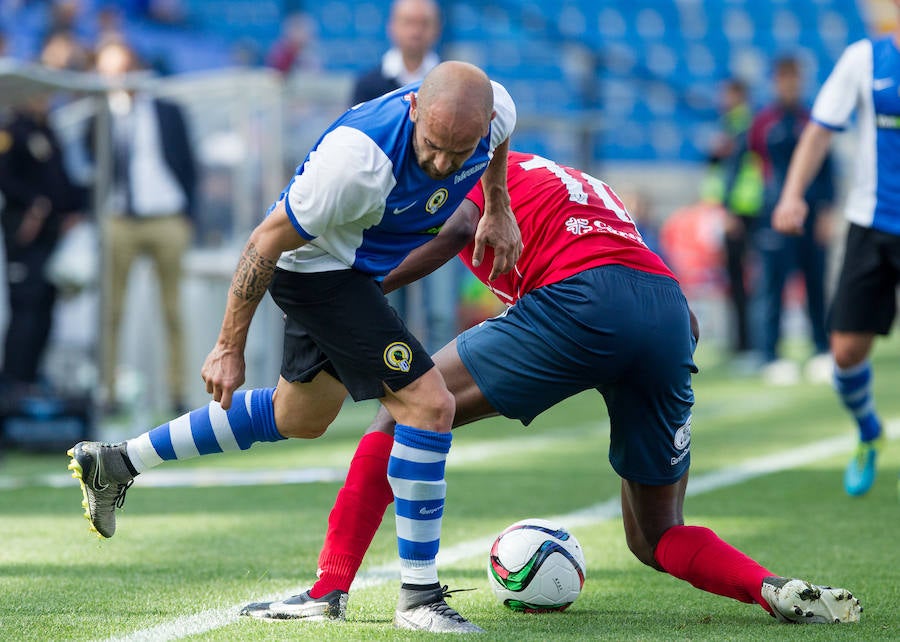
point(416, 475)
point(209, 429)
point(854, 387)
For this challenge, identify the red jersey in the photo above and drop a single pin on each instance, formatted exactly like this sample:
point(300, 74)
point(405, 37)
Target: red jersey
point(570, 222)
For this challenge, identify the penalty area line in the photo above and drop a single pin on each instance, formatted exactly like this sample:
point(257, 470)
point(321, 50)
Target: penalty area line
point(715, 480)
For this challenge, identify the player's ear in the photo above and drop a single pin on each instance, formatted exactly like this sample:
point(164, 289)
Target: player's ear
point(413, 107)
point(487, 129)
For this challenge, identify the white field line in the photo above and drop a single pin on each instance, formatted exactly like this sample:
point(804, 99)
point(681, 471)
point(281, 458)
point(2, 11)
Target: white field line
point(462, 454)
point(748, 469)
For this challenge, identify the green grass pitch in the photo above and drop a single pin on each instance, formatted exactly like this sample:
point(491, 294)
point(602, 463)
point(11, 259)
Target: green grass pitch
point(185, 558)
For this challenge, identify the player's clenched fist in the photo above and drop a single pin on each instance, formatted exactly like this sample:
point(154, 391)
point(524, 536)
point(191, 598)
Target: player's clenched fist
point(789, 215)
point(223, 372)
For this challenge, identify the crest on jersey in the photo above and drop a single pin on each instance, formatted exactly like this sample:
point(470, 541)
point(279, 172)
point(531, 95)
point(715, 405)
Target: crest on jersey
point(398, 356)
point(436, 200)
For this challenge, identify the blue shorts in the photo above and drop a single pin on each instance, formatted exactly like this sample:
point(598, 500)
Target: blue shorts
point(620, 331)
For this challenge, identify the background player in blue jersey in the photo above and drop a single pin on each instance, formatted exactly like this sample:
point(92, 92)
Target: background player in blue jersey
point(380, 182)
point(865, 80)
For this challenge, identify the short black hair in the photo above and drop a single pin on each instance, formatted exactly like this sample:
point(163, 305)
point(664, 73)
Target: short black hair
point(786, 65)
point(738, 86)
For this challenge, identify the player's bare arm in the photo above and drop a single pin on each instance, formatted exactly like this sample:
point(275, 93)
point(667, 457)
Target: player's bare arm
point(457, 232)
point(498, 227)
point(791, 210)
point(224, 368)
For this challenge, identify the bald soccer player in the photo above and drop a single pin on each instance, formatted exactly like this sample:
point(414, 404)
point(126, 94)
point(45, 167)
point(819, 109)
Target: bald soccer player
point(380, 182)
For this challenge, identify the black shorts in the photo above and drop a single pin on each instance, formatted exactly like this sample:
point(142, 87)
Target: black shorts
point(340, 322)
point(866, 296)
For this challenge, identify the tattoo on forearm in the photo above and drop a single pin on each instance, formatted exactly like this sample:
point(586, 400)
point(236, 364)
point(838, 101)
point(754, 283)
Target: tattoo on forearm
point(253, 275)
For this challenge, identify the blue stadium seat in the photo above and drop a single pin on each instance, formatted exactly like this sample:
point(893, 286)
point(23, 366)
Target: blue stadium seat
point(335, 19)
point(654, 67)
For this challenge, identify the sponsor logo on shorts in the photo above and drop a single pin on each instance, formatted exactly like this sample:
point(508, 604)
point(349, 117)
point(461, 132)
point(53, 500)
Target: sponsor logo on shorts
point(682, 441)
point(398, 356)
point(677, 460)
point(436, 200)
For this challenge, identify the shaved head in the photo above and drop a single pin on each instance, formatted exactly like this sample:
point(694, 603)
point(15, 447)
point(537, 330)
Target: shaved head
point(458, 87)
point(452, 111)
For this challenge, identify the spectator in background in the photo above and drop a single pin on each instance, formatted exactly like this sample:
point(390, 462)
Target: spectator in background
point(742, 200)
point(414, 28)
point(41, 201)
point(148, 209)
point(62, 50)
point(295, 48)
point(773, 135)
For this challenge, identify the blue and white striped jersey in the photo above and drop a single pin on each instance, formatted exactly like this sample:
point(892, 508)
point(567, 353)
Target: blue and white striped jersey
point(866, 79)
point(360, 197)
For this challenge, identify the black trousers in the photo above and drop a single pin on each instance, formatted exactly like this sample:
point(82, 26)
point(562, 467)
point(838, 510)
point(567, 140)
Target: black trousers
point(31, 301)
point(737, 248)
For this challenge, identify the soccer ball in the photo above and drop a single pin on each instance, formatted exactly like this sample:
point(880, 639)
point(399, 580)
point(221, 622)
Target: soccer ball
point(536, 566)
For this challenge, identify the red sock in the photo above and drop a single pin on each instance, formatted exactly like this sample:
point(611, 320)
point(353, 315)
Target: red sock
point(697, 555)
point(356, 515)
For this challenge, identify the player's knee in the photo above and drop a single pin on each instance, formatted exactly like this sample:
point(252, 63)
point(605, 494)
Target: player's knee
point(642, 542)
point(295, 424)
point(641, 549)
point(447, 407)
point(293, 428)
point(848, 354)
point(426, 404)
point(436, 410)
point(439, 410)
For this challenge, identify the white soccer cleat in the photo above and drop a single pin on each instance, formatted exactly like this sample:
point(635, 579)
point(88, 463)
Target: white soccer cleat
point(331, 606)
point(781, 372)
point(426, 610)
point(799, 602)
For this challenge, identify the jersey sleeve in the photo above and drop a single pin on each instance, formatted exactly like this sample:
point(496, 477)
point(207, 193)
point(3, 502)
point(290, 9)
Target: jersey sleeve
point(505, 120)
point(346, 177)
point(840, 94)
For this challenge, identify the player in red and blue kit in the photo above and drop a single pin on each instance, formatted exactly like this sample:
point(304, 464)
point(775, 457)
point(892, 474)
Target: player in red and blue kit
point(865, 80)
point(374, 187)
point(591, 307)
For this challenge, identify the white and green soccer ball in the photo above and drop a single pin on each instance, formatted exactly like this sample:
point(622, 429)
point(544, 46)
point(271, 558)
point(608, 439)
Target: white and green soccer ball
point(536, 566)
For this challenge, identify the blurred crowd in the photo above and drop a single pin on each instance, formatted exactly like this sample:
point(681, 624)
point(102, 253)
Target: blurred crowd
point(147, 208)
point(143, 208)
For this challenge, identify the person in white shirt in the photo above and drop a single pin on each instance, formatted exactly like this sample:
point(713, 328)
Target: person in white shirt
point(148, 210)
